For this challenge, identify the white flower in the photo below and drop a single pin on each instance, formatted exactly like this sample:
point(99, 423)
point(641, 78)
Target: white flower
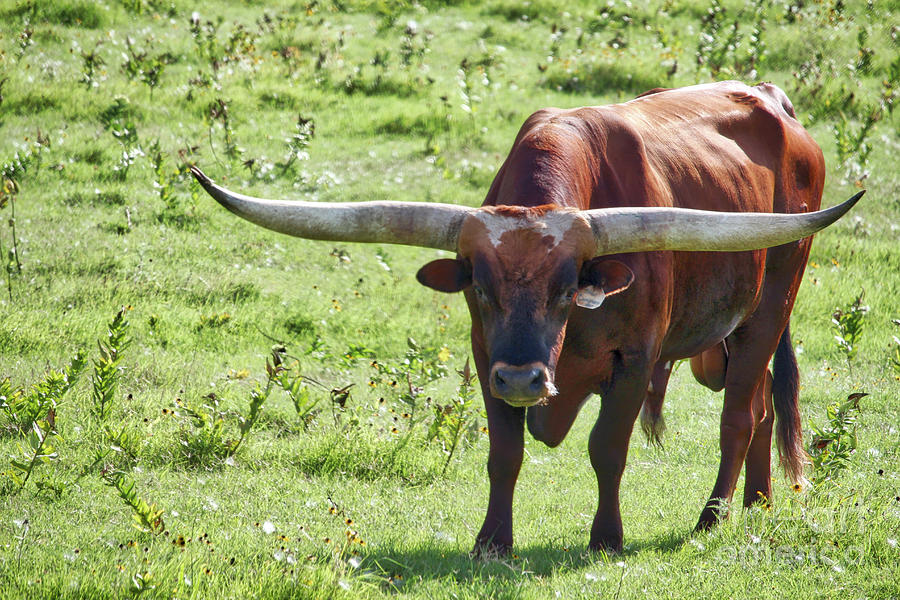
point(268, 527)
point(443, 536)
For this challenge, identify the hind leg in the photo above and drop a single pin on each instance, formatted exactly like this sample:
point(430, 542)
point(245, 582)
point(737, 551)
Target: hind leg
point(750, 348)
point(757, 466)
point(709, 369)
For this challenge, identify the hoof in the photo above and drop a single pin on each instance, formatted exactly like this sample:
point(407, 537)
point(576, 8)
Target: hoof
point(606, 546)
point(490, 550)
point(710, 517)
point(705, 524)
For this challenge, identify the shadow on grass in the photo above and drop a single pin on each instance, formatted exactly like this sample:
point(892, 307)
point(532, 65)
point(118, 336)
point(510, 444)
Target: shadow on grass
point(540, 560)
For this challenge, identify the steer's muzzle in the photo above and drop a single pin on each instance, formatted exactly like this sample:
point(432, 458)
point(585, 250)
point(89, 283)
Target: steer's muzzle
point(521, 385)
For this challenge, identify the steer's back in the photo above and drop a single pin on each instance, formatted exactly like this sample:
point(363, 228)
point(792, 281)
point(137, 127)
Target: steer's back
point(728, 146)
point(725, 147)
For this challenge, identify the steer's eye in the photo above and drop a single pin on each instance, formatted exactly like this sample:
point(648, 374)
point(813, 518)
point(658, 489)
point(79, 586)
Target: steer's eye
point(479, 292)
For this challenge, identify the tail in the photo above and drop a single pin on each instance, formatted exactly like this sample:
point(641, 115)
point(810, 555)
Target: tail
point(652, 422)
point(785, 397)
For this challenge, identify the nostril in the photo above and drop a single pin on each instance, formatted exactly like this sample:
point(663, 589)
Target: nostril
point(526, 382)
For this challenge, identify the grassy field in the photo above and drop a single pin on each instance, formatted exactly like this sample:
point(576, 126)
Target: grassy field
point(174, 465)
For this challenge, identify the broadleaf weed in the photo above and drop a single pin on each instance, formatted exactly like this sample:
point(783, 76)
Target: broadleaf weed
point(37, 450)
point(456, 421)
point(91, 62)
point(148, 518)
point(895, 353)
point(849, 323)
point(118, 119)
point(835, 442)
point(140, 65)
point(105, 377)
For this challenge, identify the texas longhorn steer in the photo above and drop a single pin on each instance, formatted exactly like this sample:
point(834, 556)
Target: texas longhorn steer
point(613, 241)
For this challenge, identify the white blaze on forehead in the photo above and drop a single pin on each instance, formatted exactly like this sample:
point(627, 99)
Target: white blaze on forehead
point(554, 224)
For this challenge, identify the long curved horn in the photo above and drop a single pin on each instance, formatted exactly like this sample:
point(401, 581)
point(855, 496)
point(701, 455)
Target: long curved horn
point(642, 229)
point(410, 223)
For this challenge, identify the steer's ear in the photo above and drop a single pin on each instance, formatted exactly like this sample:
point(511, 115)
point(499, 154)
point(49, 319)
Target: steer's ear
point(601, 277)
point(446, 275)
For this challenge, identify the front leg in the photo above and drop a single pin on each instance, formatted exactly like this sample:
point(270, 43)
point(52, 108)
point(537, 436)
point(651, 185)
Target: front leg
point(608, 448)
point(506, 427)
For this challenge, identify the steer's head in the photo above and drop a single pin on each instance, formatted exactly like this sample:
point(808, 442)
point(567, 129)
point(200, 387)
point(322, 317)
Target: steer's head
point(523, 270)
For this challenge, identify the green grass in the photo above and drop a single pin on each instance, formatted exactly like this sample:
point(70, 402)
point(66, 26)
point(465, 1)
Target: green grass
point(210, 295)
